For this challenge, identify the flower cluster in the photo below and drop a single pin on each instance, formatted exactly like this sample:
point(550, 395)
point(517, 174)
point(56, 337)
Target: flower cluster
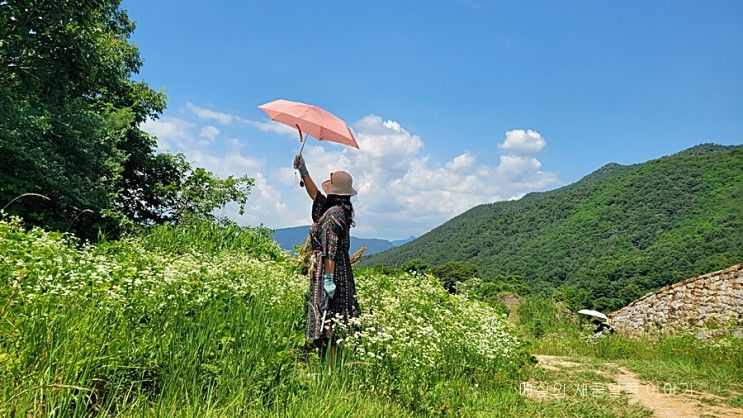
point(409, 320)
point(44, 267)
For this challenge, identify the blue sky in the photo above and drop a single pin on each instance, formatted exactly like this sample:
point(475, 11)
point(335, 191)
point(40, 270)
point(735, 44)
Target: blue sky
point(455, 102)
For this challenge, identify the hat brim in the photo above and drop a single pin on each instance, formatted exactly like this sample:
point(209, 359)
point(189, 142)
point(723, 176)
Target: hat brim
point(330, 189)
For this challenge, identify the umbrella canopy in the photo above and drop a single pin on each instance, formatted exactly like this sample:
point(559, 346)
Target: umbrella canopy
point(593, 313)
point(311, 120)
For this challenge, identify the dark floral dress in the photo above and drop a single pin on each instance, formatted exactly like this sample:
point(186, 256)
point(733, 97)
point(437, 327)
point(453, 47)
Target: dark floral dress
point(330, 237)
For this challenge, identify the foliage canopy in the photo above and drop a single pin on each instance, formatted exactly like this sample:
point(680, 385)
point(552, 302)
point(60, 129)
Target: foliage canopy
point(69, 124)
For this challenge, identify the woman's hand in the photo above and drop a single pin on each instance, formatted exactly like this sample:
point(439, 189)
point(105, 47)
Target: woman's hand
point(299, 165)
point(309, 185)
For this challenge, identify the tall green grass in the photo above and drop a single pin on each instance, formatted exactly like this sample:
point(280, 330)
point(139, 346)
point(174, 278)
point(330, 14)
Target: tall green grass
point(211, 238)
point(205, 320)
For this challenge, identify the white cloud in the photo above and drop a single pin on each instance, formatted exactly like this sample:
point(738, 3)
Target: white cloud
point(402, 190)
point(209, 132)
point(461, 161)
point(229, 118)
point(512, 166)
point(267, 203)
point(227, 164)
point(204, 113)
point(521, 141)
point(168, 130)
point(386, 139)
point(271, 126)
point(267, 206)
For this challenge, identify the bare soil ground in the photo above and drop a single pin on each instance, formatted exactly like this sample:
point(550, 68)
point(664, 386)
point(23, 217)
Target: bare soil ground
point(670, 402)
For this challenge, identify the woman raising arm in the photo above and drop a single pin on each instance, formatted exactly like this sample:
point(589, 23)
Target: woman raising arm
point(332, 291)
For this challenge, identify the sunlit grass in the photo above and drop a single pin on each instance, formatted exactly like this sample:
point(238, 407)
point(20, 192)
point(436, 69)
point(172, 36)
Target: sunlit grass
point(187, 321)
point(205, 320)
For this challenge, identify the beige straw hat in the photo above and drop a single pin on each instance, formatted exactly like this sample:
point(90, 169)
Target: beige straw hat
point(340, 183)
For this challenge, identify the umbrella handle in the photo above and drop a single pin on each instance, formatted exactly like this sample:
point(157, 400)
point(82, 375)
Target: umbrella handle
point(300, 149)
point(300, 131)
point(303, 141)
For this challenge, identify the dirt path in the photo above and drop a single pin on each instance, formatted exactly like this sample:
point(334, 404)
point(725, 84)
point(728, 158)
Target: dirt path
point(660, 401)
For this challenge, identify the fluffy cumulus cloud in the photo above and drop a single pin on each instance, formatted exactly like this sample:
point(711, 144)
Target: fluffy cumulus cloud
point(523, 141)
point(267, 204)
point(226, 118)
point(402, 190)
point(461, 161)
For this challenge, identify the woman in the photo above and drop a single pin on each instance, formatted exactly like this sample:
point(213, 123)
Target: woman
point(332, 289)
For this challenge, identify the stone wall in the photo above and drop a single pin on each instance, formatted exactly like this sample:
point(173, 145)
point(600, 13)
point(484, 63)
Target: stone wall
point(715, 298)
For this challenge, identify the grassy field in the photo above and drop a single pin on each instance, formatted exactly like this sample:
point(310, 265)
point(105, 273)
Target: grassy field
point(208, 320)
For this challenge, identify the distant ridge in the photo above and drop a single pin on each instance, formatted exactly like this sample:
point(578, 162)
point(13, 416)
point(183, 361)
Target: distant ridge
point(609, 237)
point(288, 238)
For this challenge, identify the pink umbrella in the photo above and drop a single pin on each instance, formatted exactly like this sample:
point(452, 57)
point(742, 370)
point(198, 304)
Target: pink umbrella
point(311, 120)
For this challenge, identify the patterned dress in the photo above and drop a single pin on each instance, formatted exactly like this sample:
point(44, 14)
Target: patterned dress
point(330, 238)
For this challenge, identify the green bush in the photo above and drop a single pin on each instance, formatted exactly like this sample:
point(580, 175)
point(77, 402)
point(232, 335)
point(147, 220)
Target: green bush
point(538, 315)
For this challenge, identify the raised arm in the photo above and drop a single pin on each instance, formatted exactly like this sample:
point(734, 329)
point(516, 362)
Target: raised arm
point(309, 184)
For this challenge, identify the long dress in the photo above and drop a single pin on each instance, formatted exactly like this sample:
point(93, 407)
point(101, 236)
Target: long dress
point(330, 238)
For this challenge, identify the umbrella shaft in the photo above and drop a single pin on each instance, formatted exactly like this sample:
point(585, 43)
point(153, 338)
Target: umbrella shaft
point(301, 181)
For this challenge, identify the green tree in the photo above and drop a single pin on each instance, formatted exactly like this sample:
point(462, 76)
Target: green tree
point(575, 298)
point(63, 68)
point(415, 265)
point(492, 289)
point(630, 293)
point(452, 272)
point(200, 192)
point(69, 123)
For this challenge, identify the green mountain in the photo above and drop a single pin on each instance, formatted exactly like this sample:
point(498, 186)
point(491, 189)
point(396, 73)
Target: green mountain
point(608, 238)
point(288, 238)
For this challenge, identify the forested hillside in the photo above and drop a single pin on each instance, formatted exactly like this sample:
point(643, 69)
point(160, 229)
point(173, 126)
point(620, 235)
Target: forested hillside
point(609, 237)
